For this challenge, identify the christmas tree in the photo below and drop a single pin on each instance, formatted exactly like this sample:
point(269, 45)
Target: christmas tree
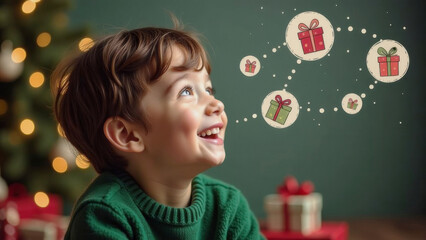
point(34, 37)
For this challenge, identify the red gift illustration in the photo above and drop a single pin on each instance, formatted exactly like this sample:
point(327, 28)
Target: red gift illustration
point(311, 37)
point(389, 62)
point(352, 104)
point(250, 66)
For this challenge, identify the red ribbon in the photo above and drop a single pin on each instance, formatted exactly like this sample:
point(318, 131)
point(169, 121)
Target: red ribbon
point(304, 28)
point(280, 104)
point(250, 63)
point(289, 188)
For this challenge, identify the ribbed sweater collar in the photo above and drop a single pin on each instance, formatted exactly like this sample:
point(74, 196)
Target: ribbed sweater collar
point(162, 213)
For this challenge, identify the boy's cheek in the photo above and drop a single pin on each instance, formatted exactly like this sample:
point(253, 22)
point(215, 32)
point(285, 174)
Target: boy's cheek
point(189, 121)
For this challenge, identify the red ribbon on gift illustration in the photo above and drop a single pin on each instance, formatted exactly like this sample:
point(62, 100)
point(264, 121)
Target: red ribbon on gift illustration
point(352, 102)
point(280, 104)
point(304, 28)
point(289, 188)
point(250, 66)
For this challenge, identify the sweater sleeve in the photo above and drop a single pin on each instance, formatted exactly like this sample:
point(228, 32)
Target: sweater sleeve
point(244, 224)
point(96, 220)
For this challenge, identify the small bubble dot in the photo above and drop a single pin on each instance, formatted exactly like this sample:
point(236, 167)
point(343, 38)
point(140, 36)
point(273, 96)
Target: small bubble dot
point(282, 12)
point(374, 102)
point(375, 82)
point(404, 28)
point(390, 25)
point(309, 103)
point(261, 7)
point(363, 31)
point(300, 107)
point(371, 86)
point(274, 50)
point(338, 29)
point(293, 70)
point(284, 43)
point(237, 121)
point(254, 115)
point(321, 110)
point(363, 95)
point(295, 9)
point(308, 109)
point(245, 119)
point(360, 69)
point(299, 61)
point(350, 28)
point(273, 75)
point(400, 122)
point(348, 17)
point(278, 46)
point(374, 35)
point(289, 77)
point(337, 89)
point(402, 93)
point(348, 51)
point(335, 109)
point(285, 85)
point(265, 56)
point(319, 124)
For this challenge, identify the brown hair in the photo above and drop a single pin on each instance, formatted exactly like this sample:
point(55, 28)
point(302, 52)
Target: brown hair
point(110, 80)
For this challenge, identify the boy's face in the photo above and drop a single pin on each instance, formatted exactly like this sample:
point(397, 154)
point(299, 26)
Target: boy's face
point(186, 123)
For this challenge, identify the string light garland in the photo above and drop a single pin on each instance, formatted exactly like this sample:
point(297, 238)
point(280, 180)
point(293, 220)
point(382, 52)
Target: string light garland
point(19, 55)
point(60, 165)
point(27, 126)
point(41, 199)
point(44, 39)
point(85, 44)
point(36, 79)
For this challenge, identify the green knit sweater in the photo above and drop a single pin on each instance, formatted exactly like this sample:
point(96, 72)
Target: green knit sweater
point(115, 207)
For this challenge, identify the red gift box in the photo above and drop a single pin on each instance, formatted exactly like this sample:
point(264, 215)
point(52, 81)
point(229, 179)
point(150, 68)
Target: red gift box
point(250, 66)
point(26, 206)
point(311, 37)
point(389, 64)
point(328, 231)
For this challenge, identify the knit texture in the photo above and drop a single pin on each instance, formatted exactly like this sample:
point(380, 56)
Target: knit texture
point(115, 207)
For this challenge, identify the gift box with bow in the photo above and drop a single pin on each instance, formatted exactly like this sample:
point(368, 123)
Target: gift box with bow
point(311, 37)
point(389, 62)
point(294, 209)
point(352, 104)
point(250, 66)
point(279, 109)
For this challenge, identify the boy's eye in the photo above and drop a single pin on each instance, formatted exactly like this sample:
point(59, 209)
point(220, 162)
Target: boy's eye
point(210, 91)
point(186, 91)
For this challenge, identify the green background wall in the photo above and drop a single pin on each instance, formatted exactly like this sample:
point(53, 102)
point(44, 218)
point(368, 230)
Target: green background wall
point(368, 164)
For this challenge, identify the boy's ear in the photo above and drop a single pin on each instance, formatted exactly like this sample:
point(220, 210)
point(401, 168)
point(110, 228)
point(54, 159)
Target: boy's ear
point(123, 135)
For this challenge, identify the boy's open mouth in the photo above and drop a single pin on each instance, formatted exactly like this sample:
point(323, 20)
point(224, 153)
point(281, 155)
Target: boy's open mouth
point(209, 133)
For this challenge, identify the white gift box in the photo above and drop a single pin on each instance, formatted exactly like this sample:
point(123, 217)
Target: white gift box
point(304, 212)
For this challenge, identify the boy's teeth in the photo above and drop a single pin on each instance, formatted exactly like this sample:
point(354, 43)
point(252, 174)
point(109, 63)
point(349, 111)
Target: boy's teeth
point(209, 132)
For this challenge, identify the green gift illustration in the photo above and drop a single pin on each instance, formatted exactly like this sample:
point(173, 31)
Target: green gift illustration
point(279, 110)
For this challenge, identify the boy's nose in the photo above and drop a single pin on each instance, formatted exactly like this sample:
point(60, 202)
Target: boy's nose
point(215, 106)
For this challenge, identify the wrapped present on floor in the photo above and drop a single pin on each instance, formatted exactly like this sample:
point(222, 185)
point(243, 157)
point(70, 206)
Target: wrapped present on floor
point(389, 62)
point(44, 227)
point(19, 208)
point(250, 66)
point(311, 37)
point(294, 209)
point(26, 203)
point(9, 221)
point(352, 104)
point(279, 110)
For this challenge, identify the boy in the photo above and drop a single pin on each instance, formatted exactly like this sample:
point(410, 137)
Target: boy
point(140, 106)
